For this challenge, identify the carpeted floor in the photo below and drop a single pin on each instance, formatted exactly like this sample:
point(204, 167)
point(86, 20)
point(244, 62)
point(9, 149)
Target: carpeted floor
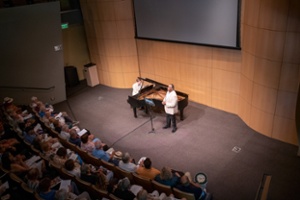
point(204, 142)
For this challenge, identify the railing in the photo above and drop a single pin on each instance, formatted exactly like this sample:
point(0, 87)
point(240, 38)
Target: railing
point(28, 88)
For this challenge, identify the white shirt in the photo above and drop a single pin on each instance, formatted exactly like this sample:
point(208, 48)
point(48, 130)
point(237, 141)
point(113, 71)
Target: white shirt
point(136, 88)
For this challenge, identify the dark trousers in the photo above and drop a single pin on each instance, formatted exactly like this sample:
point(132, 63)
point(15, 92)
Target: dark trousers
point(171, 118)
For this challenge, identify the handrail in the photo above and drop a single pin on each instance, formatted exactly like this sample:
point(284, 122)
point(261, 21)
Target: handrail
point(27, 88)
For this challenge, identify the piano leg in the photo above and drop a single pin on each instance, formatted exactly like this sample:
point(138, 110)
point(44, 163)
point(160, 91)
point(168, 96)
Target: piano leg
point(181, 115)
point(134, 112)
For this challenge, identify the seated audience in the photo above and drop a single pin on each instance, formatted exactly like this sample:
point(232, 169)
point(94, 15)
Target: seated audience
point(145, 169)
point(188, 185)
point(65, 132)
point(74, 138)
point(100, 177)
point(98, 152)
point(122, 190)
point(45, 190)
point(33, 178)
point(167, 177)
point(73, 167)
point(88, 142)
point(127, 163)
point(47, 149)
point(29, 136)
point(14, 163)
point(144, 195)
point(63, 194)
point(60, 157)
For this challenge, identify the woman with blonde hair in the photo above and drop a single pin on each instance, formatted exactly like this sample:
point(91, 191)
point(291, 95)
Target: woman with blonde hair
point(167, 177)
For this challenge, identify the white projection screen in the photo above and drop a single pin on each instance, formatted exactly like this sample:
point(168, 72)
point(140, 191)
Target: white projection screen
point(204, 22)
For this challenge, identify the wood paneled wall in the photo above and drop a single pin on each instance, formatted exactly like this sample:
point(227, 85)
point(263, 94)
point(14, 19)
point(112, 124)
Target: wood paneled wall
point(258, 83)
point(110, 35)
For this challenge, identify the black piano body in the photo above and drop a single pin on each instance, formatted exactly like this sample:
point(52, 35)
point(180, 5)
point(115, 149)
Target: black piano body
point(154, 89)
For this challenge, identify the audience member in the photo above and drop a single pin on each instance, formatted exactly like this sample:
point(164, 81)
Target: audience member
point(60, 157)
point(99, 152)
point(63, 194)
point(65, 132)
point(29, 136)
point(100, 177)
point(88, 142)
point(188, 185)
point(14, 163)
point(73, 167)
point(122, 190)
point(74, 138)
point(45, 190)
point(33, 178)
point(167, 177)
point(145, 169)
point(127, 163)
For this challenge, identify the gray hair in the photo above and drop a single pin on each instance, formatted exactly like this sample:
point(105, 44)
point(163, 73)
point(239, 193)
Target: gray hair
point(126, 157)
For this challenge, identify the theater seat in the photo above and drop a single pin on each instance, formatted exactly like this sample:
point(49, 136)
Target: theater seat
point(161, 188)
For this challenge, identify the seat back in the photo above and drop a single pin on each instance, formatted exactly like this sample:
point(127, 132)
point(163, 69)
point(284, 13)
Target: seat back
point(27, 193)
point(64, 174)
point(83, 185)
point(93, 160)
point(121, 173)
point(161, 187)
point(145, 182)
point(113, 197)
point(180, 194)
point(97, 193)
point(108, 165)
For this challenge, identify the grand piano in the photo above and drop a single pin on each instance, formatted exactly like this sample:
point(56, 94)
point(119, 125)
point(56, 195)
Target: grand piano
point(155, 91)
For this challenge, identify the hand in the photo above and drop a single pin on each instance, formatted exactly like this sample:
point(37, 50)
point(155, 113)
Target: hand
point(163, 103)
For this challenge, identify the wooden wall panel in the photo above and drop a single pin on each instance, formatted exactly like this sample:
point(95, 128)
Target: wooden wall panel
point(270, 44)
point(246, 89)
point(264, 98)
point(226, 81)
point(112, 47)
point(105, 10)
point(225, 101)
point(125, 29)
point(261, 121)
point(286, 104)
point(123, 10)
point(117, 79)
point(251, 12)
point(245, 111)
point(196, 55)
point(146, 64)
point(129, 79)
point(109, 29)
point(127, 47)
point(267, 72)
point(292, 47)
point(269, 17)
point(129, 64)
point(285, 130)
point(247, 68)
point(250, 39)
point(114, 64)
point(290, 77)
point(229, 60)
point(294, 16)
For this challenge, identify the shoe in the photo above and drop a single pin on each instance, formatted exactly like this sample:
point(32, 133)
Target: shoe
point(174, 130)
point(166, 127)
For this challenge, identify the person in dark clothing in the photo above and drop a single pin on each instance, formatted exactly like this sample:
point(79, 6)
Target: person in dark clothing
point(188, 186)
point(122, 191)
